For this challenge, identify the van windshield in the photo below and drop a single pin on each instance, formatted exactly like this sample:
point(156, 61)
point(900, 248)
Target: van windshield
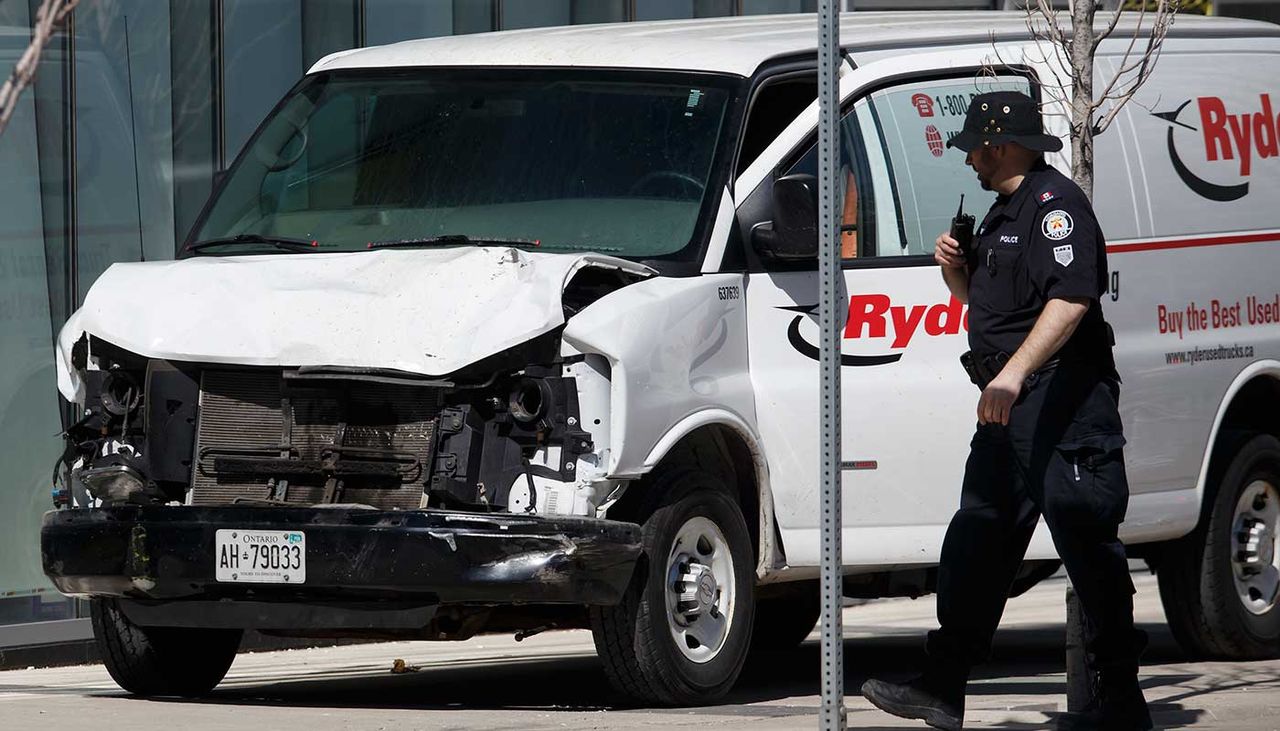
point(574, 161)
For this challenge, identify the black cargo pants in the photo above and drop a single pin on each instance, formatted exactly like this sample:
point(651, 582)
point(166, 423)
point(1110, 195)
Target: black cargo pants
point(1060, 456)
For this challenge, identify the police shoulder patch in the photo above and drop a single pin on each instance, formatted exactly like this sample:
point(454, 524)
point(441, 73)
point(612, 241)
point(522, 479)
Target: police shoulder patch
point(1064, 254)
point(1057, 225)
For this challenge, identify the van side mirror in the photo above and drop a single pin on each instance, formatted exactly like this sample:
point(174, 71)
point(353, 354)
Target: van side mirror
point(794, 235)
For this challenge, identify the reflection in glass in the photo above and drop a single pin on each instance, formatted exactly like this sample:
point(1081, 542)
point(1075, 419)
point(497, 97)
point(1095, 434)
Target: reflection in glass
point(390, 21)
point(195, 110)
point(599, 11)
point(124, 203)
point(663, 9)
point(764, 7)
point(263, 59)
point(327, 26)
point(472, 16)
point(535, 13)
point(28, 409)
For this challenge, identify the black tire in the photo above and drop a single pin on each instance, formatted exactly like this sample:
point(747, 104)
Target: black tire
point(783, 622)
point(1206, 614)
point(161, 661)
point(634, 638)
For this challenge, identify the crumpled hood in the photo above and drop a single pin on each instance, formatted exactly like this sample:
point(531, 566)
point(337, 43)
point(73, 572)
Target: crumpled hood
point(429, 312)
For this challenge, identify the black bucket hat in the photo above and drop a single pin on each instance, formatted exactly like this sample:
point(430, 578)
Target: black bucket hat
point(998, 117)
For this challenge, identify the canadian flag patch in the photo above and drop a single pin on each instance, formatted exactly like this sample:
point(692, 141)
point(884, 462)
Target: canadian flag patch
point(1064, 254)
point(1047, 196)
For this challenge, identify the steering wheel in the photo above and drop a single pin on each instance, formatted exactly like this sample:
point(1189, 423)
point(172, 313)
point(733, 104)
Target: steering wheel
point(647, 178)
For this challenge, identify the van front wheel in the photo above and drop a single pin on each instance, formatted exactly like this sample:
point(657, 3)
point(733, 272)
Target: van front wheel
point(161, 661)
point(1220, 586)
point(680, 634)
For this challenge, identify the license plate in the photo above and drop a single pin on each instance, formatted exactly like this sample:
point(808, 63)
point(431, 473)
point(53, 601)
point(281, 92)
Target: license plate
point(261, 556)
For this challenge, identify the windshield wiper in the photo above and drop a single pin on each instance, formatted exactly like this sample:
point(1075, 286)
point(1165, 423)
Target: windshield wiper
point(452, 240)
point(283, 243)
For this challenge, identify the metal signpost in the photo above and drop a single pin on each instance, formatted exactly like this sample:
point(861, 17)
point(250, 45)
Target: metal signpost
point(830, 300)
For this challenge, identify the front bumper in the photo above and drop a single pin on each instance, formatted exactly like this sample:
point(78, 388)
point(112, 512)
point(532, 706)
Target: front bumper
point(399, 561)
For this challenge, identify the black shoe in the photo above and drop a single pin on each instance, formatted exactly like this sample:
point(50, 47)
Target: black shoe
point(937, 702)
point(1117, 705)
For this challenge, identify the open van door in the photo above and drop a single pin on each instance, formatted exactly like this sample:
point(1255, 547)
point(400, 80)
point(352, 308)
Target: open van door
point(908, 406)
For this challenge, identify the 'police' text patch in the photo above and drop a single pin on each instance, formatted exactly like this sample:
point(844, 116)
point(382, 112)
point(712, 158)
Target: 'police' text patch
point(1057, 225)
point(1064, 255)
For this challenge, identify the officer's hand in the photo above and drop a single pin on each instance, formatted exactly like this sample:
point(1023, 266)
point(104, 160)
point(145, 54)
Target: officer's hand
point(946, 251)
point(998, 398)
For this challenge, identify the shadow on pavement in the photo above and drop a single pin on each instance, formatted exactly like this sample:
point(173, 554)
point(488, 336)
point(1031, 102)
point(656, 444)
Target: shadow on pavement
point(576, 683)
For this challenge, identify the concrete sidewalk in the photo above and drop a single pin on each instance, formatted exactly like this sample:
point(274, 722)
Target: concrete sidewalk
point(554, 681)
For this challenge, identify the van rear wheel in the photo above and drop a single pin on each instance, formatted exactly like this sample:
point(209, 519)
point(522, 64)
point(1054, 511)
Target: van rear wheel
point(680, 634)
point(1220, 586)
point(161, 661)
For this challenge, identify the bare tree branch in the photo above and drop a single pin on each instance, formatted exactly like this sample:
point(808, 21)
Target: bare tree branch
point(50, 16)
point(1115, 20)
point(1124, 60)
point(1043, 25)
point(1072, 52)
point(990, 70)
point(1131, 75)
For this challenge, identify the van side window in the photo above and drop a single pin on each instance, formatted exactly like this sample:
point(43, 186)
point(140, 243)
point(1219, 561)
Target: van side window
point(912, 123)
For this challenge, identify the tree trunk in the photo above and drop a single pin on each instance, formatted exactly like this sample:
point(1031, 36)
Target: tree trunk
point(1082, 12)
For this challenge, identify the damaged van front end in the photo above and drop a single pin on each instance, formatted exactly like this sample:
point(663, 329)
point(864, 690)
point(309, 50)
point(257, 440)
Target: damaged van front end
point(427, 365)
point(383, 443)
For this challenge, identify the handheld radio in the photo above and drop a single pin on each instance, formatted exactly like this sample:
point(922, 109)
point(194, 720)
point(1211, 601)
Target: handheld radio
point(962, 229)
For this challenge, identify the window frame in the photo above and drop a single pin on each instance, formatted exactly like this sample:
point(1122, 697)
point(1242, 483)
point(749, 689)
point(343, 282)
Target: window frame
point(755, 264)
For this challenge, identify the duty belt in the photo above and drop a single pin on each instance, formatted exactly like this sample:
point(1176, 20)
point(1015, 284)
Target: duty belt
point(983, 369)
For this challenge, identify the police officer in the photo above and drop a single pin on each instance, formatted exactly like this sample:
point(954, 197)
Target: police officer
point(1048, 440)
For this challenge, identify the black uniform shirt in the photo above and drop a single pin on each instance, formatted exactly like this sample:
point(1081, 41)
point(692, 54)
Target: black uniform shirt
point(1040, 243)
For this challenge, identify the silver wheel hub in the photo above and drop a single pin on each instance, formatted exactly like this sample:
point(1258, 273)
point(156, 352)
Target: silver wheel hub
point(700, 590)
point(1255, 562)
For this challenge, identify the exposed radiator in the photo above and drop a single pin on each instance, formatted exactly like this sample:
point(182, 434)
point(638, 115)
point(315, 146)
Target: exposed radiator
point(261, 436)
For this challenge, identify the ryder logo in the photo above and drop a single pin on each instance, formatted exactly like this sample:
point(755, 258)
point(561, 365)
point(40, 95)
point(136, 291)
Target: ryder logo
point(1240, 135)
point(874, 317)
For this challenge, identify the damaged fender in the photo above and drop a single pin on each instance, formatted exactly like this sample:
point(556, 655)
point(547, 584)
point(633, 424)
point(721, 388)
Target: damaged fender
point(677, 349)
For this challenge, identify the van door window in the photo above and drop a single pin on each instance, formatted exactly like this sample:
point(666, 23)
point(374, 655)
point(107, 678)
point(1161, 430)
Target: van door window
point(912, 123)
point(901, 184)
point(862, 177)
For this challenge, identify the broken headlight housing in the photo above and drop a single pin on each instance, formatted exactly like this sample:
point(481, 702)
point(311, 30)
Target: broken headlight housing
point(525, 426)
point(104, 460)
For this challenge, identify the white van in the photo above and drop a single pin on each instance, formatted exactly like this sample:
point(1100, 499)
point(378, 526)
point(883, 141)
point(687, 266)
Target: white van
point(502, 333)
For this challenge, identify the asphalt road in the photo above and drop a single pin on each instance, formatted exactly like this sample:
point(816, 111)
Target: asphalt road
point(554, 681)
